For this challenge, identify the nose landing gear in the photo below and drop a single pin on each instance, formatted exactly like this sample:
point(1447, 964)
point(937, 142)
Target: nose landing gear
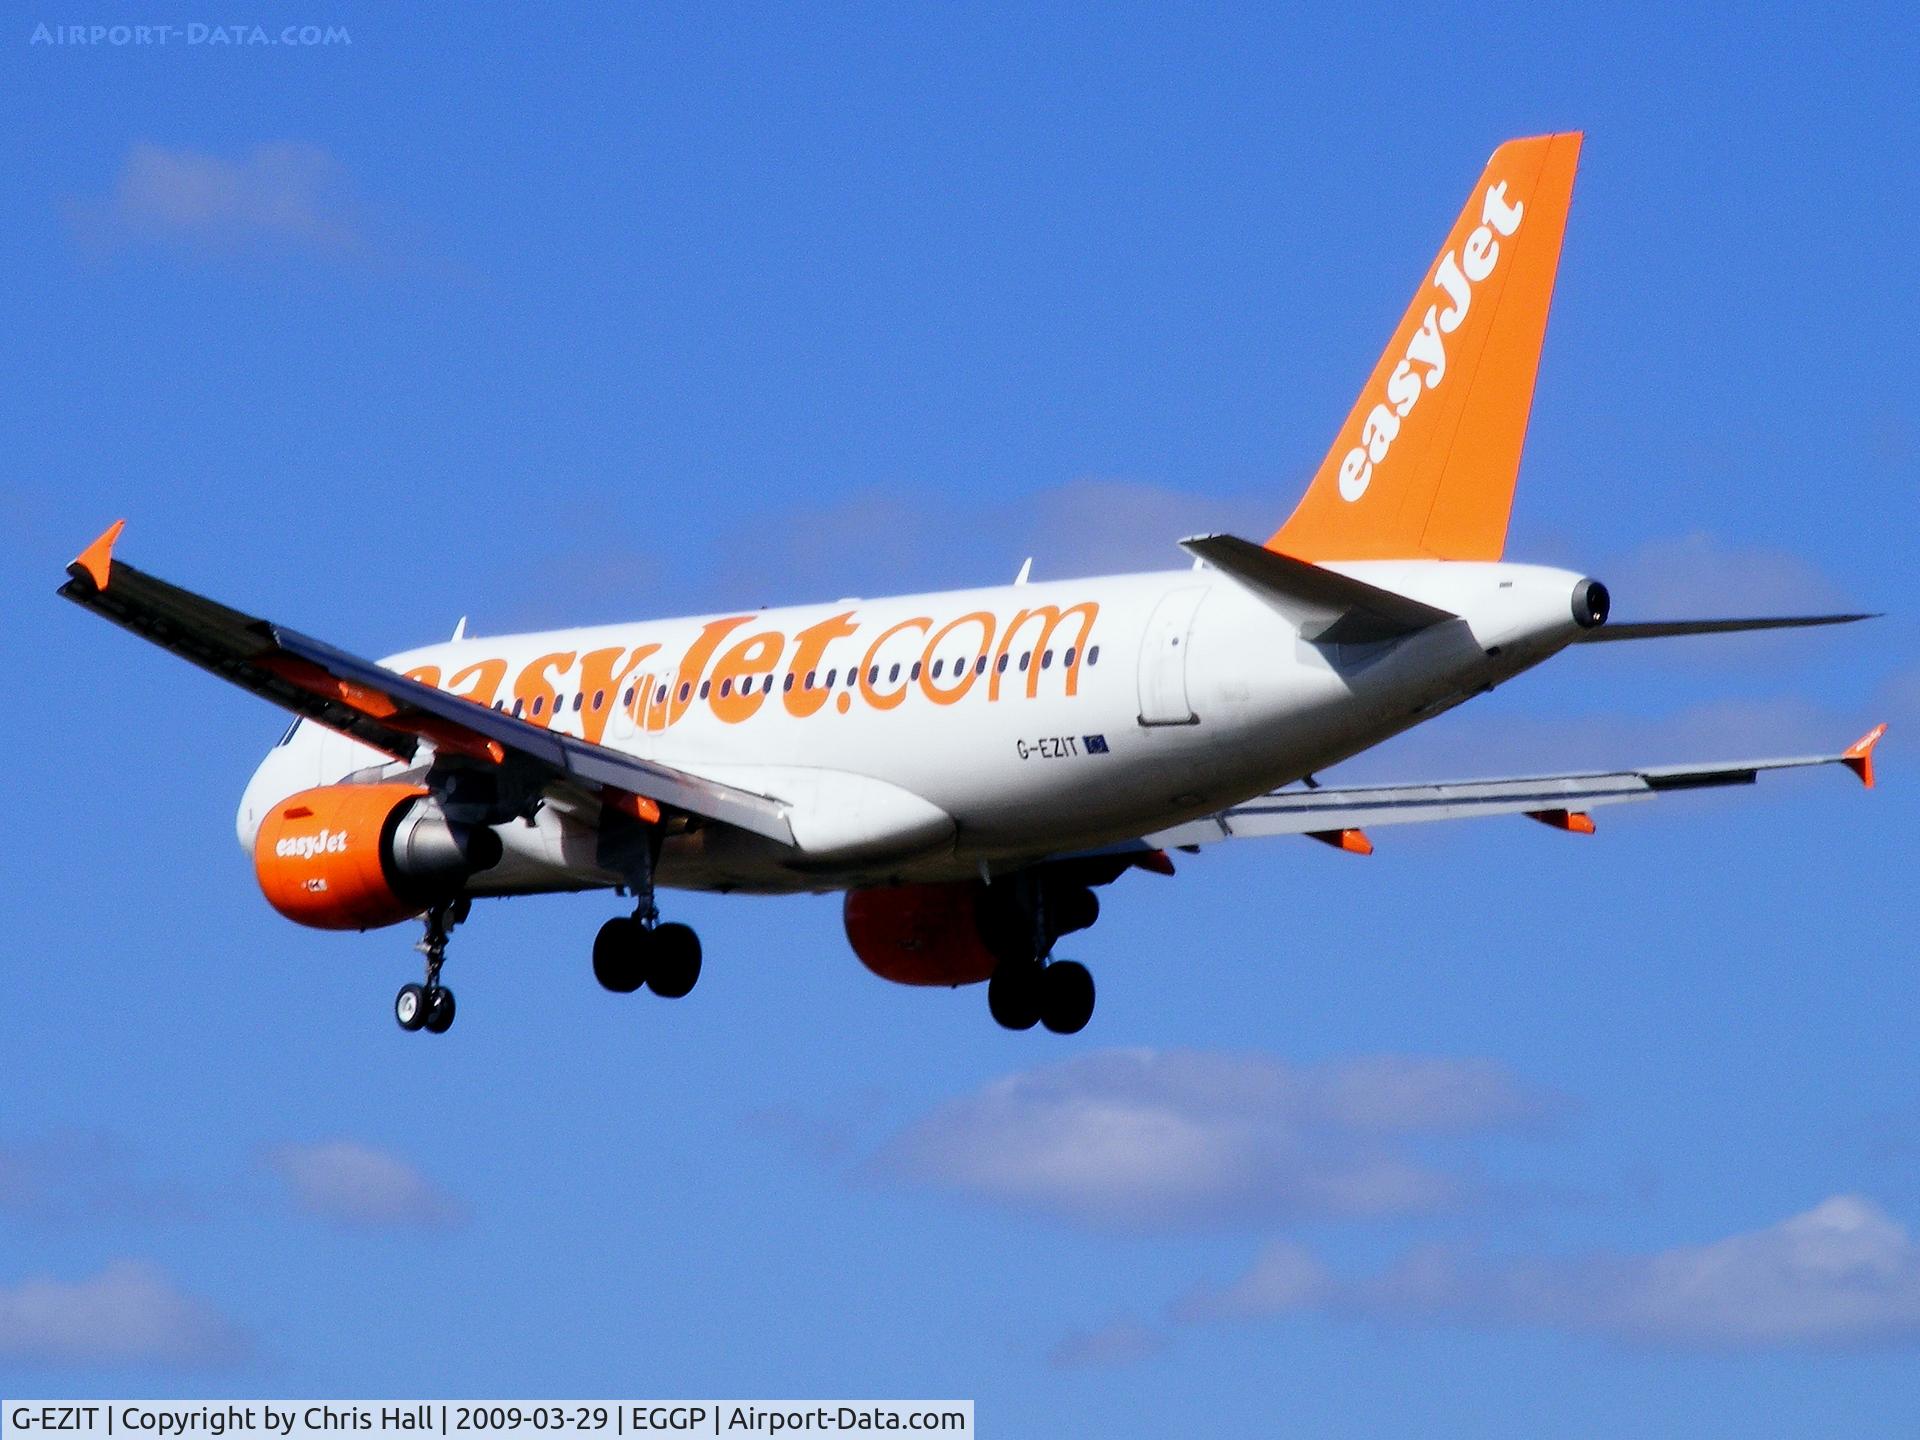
point(429, 1007)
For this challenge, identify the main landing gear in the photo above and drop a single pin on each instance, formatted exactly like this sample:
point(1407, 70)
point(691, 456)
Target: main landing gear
point(430, 1006)
point(634, 950)
point(1054, 993)
point(1021, 917)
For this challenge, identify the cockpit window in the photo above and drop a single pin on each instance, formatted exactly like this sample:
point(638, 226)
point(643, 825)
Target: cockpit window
point(290, 729)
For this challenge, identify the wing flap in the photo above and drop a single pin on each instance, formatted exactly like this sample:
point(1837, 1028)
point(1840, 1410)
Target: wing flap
point(1335, 810)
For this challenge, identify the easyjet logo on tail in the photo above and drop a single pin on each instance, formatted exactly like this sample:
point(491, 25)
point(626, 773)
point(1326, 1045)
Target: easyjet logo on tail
point(1455, 277)
point(1448, 396)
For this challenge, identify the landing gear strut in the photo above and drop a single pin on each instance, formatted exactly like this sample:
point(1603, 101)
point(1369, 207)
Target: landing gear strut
point(430, 1006)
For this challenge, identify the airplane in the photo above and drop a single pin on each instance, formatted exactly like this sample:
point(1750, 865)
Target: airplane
point(968, 767)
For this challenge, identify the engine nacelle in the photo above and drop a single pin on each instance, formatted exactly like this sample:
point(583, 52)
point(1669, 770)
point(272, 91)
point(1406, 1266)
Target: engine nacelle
point(957, 933)
point(355, 857)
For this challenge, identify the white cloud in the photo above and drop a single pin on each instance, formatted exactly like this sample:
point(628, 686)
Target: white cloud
point(1123, 1342)
point(1843, 1274)
point(76, 1177)
point(1142, 1139)
point(1284, 1278)
point(877, 542)
point(354, 1184)
point(283, 195)
point(130, 1313)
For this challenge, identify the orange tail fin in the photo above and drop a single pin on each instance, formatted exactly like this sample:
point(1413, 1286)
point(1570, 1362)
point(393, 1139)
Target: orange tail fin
point(1425, 465)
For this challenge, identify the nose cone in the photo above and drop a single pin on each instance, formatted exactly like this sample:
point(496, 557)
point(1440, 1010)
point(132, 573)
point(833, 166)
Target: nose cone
point(253, 807)
point(291, 766)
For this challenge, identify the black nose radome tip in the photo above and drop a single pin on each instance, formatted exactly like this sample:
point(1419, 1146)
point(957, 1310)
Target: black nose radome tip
point(1590, 602)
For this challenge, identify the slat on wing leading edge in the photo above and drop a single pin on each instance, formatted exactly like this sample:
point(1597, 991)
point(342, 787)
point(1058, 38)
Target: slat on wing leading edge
point(378, 706)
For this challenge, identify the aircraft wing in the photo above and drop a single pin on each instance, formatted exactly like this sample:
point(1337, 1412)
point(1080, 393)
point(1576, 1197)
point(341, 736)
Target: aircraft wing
point(382, 708)
point(1340, 815)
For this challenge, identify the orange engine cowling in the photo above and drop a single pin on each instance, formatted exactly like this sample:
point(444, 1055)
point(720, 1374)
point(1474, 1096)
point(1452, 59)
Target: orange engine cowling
point(920, 934)
point(354, 857)
point(956, 933)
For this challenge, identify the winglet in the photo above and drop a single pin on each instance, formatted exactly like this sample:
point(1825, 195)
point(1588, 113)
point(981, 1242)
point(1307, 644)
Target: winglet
point(96, 561)
point(1858, 757)
point(1354, 842)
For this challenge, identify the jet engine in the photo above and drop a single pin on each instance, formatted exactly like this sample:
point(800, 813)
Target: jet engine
point(957, 933)
point(354, 857)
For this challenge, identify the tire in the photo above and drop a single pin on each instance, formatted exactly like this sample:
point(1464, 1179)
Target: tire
point(620, 955)
point(440, 1010)
point(1013, 994)
point(1066, 997)
point(676, 961)
point(410, 1007)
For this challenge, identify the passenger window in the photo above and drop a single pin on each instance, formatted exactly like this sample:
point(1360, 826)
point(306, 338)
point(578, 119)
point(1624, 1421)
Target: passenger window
point(686, 689)
point(1026, 658)
point(580, 699)
point(914, 674)
point(1067, 659)
point(1000, 665)
point(809, 684)
point(706, 688)
point(660, 696)
point(893, 674)
point(786, 685)
point(1046, 660)
point(538, 701)
point(627, 701)
point(1093, 655)
point(516, 709)
point(873, 675)
point(936, 668)
point(726, 688)
point(831, 674)
point(980, 666)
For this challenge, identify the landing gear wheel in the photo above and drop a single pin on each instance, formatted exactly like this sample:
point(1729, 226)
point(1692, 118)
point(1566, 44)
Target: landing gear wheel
point(1066, 997)
point(676, 961)
point(1013, 994)
point(439, 1010)
point(410, 1007)
point(621, 955)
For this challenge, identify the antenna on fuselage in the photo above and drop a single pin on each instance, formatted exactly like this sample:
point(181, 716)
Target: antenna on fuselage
point(1025, 571)
point(460, 630)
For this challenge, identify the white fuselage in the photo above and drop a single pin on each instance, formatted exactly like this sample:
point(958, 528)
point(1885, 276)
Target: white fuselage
point(1106, 709)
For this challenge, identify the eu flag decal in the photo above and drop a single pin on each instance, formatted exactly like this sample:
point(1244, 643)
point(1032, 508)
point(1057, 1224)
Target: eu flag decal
point(1096, 744)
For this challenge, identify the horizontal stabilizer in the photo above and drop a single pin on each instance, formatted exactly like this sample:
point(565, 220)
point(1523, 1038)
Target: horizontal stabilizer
point(1328, 608)
point(1660, 629)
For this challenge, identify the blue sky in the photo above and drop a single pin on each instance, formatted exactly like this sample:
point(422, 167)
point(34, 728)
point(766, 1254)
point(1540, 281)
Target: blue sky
point(587, 317)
